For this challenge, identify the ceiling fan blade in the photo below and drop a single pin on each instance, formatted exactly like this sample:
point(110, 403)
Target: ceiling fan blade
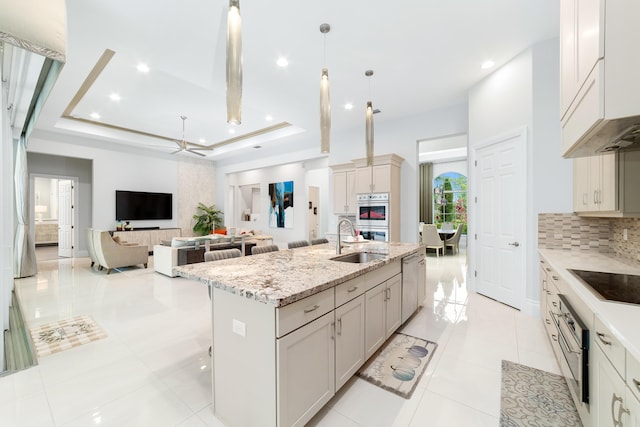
point(195, 152)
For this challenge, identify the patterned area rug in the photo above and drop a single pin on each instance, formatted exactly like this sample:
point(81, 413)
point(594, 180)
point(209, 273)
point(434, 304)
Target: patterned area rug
point(65, 334)
point(531, 397)
point(399, 364)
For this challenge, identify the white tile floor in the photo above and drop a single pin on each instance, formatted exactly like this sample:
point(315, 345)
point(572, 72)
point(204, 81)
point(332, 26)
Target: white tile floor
point(153, 368)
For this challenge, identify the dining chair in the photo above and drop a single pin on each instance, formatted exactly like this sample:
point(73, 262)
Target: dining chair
point(454, 241)
point(222, 254)
point(264, 249)
point(319, 241)
point(298, 244)
point(431, 239)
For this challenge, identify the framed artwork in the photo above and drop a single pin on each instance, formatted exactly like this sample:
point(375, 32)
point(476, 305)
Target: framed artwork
point(281, 204)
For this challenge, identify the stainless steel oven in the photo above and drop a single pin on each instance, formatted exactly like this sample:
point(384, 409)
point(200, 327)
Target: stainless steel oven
point(573, 337)
point(379, 234)
point(373, 210)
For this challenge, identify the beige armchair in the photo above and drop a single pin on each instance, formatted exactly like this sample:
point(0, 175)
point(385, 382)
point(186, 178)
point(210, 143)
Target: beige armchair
point(91, 250)
point(431, 238)
point(110, 254)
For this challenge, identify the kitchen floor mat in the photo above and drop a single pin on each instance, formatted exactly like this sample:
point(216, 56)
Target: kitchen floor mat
point(399, 364)
point(531, 397)
point(54, 337)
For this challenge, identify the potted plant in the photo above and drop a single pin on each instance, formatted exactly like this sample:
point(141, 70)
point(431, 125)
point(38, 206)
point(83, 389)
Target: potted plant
point(208, 218)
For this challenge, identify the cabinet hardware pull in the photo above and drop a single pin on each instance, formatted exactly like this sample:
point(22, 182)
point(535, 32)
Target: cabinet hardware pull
point(548, 321)
point(548, 292)
point(555, 304)
point(340, 326)
point(548, 269)
point(595, 197)
point(637, 383)
point(555, 278)
point(602, 340)
point(351, 289)
point(555, 337)
point(386, 294)
point(309, 310)
point(622, 410)
point(333, 330)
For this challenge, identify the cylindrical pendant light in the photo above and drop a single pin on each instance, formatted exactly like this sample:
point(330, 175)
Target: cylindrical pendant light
point(234, 63)
point(325, 112)
point(325, 105)
point(369, 124)
point(369, 132)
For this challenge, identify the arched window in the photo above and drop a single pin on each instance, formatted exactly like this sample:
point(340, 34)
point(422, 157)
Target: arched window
point(450, 200)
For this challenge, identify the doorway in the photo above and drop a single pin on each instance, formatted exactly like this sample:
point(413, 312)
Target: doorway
point(314, 201)
point(53, 201)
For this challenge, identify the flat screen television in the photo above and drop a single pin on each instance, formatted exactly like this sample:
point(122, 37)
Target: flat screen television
point(138, 205)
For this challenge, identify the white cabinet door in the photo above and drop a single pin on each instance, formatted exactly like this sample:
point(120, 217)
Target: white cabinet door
point(375, 323)
point(363, 180)
point(590, 46)
point(568, 83)
point(634, 410)
point(581, 184)
point(608, 404)
point(409, 286)
point(306, 371)
point(373, 179)
point(349, 339)
point(608, 200)
point(344, 192)
point(393, 314)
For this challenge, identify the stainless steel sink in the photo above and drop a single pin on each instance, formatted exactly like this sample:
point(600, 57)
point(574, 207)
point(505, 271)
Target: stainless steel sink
point(359, 257)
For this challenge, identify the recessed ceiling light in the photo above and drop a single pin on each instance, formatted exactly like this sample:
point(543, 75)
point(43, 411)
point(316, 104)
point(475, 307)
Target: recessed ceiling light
point(114, 97)
point(268, 117)
point(487, 64)
point(232, 131)
point(143, 68)
point(95, 116)
point(348, 106)
point(282, 62)
point(202, 140)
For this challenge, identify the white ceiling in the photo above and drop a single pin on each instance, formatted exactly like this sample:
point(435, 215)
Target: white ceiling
point(425, 54)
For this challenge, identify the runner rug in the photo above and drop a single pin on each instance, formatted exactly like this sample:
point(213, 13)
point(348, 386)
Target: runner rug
point(54, 337)
point(399, 364)
point(531, 397)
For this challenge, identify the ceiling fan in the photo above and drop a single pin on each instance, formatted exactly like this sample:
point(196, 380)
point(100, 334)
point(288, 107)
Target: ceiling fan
point(183, 145)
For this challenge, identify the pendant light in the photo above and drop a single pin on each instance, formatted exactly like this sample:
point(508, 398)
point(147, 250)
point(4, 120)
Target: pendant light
point(369, 123)
point(234, 63)
point(325, 105)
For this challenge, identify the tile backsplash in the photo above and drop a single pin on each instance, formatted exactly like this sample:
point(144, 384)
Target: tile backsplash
point(570, 232)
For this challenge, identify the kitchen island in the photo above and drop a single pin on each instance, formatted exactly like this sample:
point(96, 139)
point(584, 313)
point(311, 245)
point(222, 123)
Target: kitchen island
point(291, 327)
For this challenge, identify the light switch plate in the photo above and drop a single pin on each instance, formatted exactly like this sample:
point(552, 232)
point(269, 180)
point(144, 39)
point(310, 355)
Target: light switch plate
point(239, 328)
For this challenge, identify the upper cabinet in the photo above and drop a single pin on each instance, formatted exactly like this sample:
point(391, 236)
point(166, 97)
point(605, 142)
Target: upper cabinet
point(344, 189)
point(606, 185)
point(598, 45)
point(382, 177)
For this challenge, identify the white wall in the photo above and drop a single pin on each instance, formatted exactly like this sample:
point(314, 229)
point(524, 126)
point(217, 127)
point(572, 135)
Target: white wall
point(525, 93)
point(134, 170)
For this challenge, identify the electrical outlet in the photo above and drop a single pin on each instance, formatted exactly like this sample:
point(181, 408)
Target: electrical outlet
point(239, 328)
point(625, 234)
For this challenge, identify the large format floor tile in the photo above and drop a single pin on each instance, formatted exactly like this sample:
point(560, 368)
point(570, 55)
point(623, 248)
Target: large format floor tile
point(153, 368)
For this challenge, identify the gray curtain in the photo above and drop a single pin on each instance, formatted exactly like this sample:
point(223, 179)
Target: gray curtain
point(426, 192)
point(24, 256)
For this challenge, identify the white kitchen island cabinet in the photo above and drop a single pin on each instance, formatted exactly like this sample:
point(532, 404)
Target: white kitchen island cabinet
point(289, 327)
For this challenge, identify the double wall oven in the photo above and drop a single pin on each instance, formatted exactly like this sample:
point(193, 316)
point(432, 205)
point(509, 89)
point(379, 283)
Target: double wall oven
point(372, 216)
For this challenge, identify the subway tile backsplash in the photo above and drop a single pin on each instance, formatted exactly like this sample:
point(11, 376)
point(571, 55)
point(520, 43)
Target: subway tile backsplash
point(568, 231)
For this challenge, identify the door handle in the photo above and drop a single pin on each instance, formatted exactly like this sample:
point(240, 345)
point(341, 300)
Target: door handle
point(516, 244)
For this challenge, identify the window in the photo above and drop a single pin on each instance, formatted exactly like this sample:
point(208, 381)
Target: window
point(450, 200)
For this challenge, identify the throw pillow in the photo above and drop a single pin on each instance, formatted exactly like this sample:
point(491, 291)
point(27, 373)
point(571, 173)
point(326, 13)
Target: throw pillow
point(117, 239)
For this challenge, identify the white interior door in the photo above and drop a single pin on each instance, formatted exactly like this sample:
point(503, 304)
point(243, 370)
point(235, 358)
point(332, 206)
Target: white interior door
point(500, 171)
point(65, 218)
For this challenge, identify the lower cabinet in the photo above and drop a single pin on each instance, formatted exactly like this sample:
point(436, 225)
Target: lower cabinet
point(610, 401)
point(349, 339)
point(306, 371)
point(383, 314)
point(422, 280)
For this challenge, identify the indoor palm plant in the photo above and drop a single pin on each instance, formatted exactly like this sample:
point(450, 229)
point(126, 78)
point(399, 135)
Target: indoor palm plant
point(208, 218)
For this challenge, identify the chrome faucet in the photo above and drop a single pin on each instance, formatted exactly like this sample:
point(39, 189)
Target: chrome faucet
point(353, 233)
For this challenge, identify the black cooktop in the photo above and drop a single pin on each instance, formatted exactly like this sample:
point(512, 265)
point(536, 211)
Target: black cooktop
point(611, 286)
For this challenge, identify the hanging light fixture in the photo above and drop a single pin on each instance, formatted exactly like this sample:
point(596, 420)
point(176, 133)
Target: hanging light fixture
point(369, 124)
point(234, 63)
point(325, 105)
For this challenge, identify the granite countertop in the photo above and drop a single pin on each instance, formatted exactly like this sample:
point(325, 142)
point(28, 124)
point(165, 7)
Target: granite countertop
point(283, 277)
point(622, 319)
